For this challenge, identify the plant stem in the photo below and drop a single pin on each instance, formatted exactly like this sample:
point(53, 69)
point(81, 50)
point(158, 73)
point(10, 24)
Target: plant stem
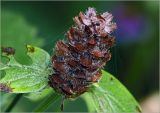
point(46, 103)
point(14, 102)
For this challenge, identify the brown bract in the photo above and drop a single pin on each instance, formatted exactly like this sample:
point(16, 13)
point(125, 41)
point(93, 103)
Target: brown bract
point(8, 50)
point(5, 88)
point(78, 61)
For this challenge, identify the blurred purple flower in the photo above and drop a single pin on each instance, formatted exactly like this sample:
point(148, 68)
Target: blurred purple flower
point(132, 26)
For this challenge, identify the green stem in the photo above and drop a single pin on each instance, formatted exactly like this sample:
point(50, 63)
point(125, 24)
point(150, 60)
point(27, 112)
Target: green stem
point(13, 103)
point(46, 103)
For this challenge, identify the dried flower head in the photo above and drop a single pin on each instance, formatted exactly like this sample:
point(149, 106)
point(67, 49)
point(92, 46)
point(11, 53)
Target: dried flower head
point(78, 61)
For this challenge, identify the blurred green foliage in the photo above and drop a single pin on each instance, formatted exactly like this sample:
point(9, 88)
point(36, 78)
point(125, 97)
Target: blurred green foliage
point(43, 23)
point(111, 96)
point(17, 33)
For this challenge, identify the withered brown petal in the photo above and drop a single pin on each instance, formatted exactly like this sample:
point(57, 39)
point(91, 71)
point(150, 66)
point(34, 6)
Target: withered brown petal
point(92, 41)
point(62, 48)
point(97, 53)
point(86, 62)
point(80, 47)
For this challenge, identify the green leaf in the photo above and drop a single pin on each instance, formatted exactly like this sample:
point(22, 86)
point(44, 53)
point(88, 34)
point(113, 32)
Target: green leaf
point(4, 103)
point(26, 78)
point(47, 102)
point(109, 95)
point(89, 101)
point(36, 96)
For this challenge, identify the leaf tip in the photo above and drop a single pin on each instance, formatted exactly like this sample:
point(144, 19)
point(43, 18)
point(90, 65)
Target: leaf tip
point(30, 49)
point(5, 88)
